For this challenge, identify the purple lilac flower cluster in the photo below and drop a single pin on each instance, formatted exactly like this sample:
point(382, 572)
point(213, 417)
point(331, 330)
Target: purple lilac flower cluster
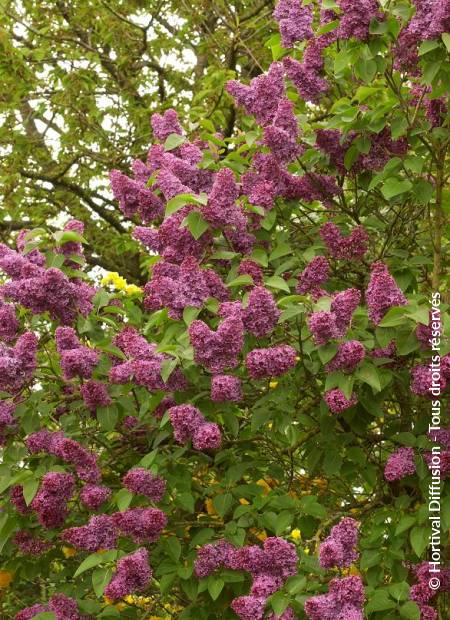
point(63, 607)
point(271, 362)
point(8, 422)
point(259, 317)
point(400, 464)
point(50, 502)
point(9, 323)
point(422, 380)
point(143, 365)
point(313, 277)
point(338, 402)
point(294, 21)
point(351, 247)
point(421, 592)
point(17, 363)
point(269, 567)
point(178, 286)
point(142, 482)
point(95, 394)
point(382, 293)
point(99, 533)
point(325, 326)
point(93, 496)
point(189, 424)
point(76, 359)
point(343, 601)
point(143, 525)
point(133, 574)
point(29, 544)
point(348, 356)
point(226, 388)
point(338, 550)
point(69, 450)
point(217, 350)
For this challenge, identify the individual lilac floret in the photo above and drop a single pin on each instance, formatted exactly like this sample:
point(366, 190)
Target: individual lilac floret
point(9, 323)
point(164, 125)
point(207, 437)
point(144, 525)
point(95, 394)
point(93, 496)
point(271, 362)
point(30, 545)
point(338, 550)
point(337, 402)
point(99, 533)
point(294, 21)
point(356, 18)
point(18, 363)
point(185, 419)
point(343, 601)
point(141, 481)
point(211, 557)
point(261, 97)
point(261, 314)
point(422, 380)
point(351, 247)
point(50, 501)
point(400, 464)
point(220, 349)
point(382, 293)
point(226, 388)
point(348, 356)
point(133, 574)
point(314, 276)
point(249, 607)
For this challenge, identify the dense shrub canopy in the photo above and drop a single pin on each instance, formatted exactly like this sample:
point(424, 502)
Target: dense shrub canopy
point(246, 435)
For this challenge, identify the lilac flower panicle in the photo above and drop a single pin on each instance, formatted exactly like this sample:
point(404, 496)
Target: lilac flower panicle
point(217, 350)
point(343, 306)
point(95, 394)
point(17, 499)
point(348, 356)
point(422, 381)
point(93, 496)
point(400, 464)
point(207, 437)
point(249, 607)
point(29, 612)
point(323, 326)
point(133, 574)
point(261, 314)
point(185, 419)
point(143, 525)
point(226, 388)
point(356, 18)
point(211, 557)
point(9, 323)
point(306, 79)
point(314, 276)
point(99, 533)
point(30, 545)
point(18, 363)
point(249, 267)
point(140, 481)
point(338, 550)
point(165, 124)
point(351, 247)
point(337, 401)
point(50, 501)
point(343, 601)
point(271, 362)
point(382, 293)
point(294, 21)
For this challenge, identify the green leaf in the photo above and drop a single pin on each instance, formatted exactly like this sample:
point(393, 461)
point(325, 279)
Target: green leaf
point(222, 503)
point(399, 591)
point(278, 283)
point(410, 611)
point(394, 187)
point(430, 71)
point(281, 250)
point(368, 373)
point(428, 46)
point(243, 280)
point(123, 499)
point(173, 141)
point(215, 587)
point(419, 540)
point(100, 579)
point(190, 314)
point(186, 501)
point(279, 602)
point(167, 368)
point(328, 27)
point(173, 548)
point(107, 417)
point(45, 615)
point(446, 39)
point(196, 224)
point(380, 601)
point(94, 560)
point(30, 487)
point(177, 202)
point(404, 524)
point(327, 352)
point(351, 156)
point(64, 236)
point(310, 506)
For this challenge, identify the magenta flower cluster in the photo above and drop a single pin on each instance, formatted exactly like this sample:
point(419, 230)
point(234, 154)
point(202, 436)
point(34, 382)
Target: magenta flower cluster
point(189, 424)
point(62, 606)
point(142, 482)
point(339, 549)
point(343, 601)
point(400, 464)
point(17, 363)
point(269, 567)
point(350, 247)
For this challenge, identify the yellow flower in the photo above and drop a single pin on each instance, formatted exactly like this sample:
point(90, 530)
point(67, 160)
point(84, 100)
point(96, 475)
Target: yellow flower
point(210, 507)
point(262, 483)
point(69, 552)
point(243, 501)
point(132, 289)
point(261, 535)
point(5, 578)
point(273, 384)
point(354, 570)
point(297, 359)
point(296, 534)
